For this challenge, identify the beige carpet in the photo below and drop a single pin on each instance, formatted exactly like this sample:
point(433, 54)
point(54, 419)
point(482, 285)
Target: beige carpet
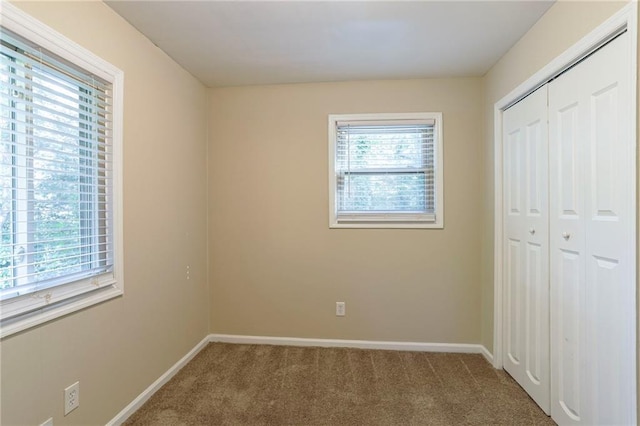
point(229, 384)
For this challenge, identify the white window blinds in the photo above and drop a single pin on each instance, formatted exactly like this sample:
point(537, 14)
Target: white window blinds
point(55, 171)
point(385, 170)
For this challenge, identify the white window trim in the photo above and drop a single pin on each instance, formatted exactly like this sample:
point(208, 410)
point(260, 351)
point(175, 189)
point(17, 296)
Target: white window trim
point(30, 310)
point(384, 220)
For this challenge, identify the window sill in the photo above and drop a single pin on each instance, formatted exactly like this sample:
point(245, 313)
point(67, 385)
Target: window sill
point(386, 225)
point(389, 220)
point(48, 313)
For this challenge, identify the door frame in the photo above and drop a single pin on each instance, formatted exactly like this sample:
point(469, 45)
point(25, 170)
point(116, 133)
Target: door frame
point(626, 18)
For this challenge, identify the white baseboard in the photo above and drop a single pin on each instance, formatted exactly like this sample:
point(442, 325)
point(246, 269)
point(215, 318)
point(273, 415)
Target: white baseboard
point(488, 355)
point(127, 411)
point(361, 344)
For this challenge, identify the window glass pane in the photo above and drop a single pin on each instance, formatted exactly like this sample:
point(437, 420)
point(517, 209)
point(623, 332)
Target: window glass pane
point(383, 193)
point(54, 175)
point(56, 203)
point(6, 191)
point(385, 168)
point(382, 147)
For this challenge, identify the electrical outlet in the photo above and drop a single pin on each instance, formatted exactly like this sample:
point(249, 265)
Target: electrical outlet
point(49, 422)
point(340, 309)
point(71, 398)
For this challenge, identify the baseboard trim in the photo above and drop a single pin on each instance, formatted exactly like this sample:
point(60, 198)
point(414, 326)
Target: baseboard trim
point(127, 411)
point(488, 355)
point(361, 344)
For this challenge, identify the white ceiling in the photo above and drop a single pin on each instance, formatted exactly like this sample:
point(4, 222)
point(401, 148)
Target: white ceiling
point(231, 43)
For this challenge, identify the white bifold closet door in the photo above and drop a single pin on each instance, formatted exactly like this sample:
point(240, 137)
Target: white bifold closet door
point(592, 241)
point(526, 256)
point(569, 249)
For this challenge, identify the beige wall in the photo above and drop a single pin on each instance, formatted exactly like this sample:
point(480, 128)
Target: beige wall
point(120, 347)
point(276, 269)
point(564, 24)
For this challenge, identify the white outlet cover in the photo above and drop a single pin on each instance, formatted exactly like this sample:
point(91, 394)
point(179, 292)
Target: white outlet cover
point(71, 398)
point(48, 422)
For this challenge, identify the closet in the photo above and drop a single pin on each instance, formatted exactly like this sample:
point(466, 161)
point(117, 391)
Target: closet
point(569, 226)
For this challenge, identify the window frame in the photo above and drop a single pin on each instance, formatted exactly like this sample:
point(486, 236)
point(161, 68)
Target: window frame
point(387, 220)
point(35, 308)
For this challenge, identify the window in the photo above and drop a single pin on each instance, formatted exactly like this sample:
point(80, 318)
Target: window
point(385, 170)
point(60, 249)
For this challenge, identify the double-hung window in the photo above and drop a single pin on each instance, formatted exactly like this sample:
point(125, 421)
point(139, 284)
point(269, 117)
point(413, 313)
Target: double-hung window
point(59, 187)
point(385, 170)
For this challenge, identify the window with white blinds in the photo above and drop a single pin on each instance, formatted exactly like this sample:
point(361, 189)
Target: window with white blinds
point(57, 217)
point(385, 170)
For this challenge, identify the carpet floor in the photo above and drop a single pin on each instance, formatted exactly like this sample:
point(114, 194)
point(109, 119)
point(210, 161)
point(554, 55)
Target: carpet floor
point(229, 384)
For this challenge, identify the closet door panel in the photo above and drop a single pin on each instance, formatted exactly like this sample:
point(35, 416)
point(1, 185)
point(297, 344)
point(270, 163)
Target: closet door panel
point(610, 242)
point(567, 265)
point(606, 330)
point(566, 320)
point(526, 246)
point(567, 253)
point(592, 243)
point(514, 307)
point(536, 361)
point(568, 154)
point(514, 264)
